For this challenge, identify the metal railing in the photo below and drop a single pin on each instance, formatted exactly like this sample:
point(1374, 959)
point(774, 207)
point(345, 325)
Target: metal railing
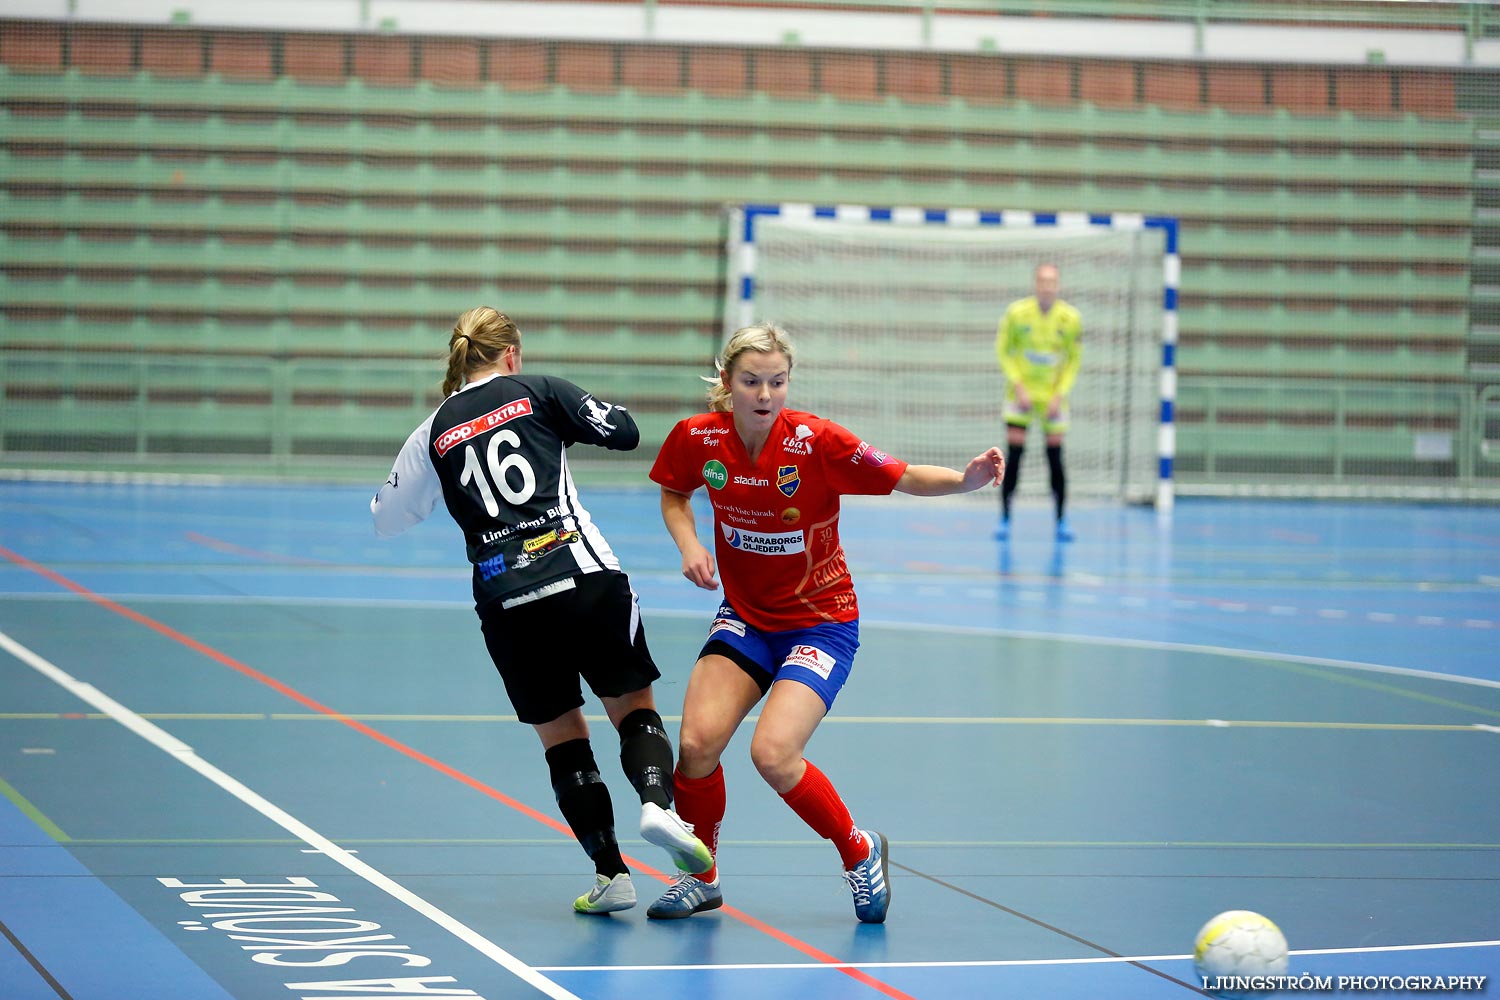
point(1339, 437)
point(288, 417)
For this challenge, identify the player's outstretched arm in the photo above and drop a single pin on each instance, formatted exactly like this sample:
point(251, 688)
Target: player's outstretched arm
point(986, 469)
point(697, 562)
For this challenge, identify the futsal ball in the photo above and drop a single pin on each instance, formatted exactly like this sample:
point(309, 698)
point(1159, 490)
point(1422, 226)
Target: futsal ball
point(1239, 943)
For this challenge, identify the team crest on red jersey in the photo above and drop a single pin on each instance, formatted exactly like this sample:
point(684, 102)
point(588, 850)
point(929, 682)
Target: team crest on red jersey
point(787, 479)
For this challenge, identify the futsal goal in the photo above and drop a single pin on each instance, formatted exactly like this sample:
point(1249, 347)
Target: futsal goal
point(894, 313)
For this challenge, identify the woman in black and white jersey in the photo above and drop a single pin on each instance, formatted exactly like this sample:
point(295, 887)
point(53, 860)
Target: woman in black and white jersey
point(552, 601)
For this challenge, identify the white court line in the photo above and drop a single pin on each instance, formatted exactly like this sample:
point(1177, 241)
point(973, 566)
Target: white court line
point(1156, 644)
point(183, 753)
point(1001, 963)
point(707, 614)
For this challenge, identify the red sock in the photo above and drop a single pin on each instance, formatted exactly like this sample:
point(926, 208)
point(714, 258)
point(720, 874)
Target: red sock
point(700, 801)
point(815, 800)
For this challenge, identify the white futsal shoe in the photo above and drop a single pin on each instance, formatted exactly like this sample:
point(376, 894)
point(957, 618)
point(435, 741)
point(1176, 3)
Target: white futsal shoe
point(667, 830)
point(607, 895)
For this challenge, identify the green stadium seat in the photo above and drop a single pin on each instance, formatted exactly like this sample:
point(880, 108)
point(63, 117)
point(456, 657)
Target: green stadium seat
point(318, 220)
point(1274, 358)
point(1274, 319)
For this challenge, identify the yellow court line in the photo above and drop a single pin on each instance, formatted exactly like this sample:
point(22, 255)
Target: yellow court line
point(1180, 723)
point(32, 813)
point(1344, 678)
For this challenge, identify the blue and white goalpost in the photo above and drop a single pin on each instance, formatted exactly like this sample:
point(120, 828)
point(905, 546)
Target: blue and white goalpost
point(894, 312)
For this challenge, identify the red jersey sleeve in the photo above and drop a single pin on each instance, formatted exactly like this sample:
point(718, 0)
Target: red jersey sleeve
point(855, 467)
point(672, 467)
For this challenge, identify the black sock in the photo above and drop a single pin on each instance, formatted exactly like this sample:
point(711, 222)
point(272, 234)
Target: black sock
point(584, 800)
point(1059, 479)
point(1012, 476)
point(646, 756)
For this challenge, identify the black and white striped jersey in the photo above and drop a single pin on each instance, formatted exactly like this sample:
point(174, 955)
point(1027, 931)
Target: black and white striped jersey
point(496, 452)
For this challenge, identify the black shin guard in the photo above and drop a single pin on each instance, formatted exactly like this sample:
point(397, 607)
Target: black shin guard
point(646, 756)
point(1059, 478)
point(584, 800)
point(1013, 455)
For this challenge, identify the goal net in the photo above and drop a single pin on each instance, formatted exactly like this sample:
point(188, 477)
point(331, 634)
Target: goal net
point(894, 315)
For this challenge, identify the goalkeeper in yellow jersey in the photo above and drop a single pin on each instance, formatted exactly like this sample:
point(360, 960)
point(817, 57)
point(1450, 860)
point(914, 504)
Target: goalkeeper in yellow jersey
point(1039, 348)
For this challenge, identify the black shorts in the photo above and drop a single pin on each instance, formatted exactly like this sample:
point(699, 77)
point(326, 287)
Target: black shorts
point(542, 647)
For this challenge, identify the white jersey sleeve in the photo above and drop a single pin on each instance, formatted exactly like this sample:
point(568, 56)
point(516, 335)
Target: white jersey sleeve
point(412, 490)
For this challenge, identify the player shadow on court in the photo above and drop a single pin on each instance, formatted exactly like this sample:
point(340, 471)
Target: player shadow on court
point(1033, 561)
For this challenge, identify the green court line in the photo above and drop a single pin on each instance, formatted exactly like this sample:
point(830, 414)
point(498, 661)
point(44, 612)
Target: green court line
point(1188, 723)
point(34, 814)
point(1323, 673)
point(1028, 844)
point(858, 720)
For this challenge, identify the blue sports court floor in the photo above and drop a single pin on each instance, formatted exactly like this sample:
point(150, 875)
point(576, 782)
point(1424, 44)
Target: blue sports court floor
point(247, 751)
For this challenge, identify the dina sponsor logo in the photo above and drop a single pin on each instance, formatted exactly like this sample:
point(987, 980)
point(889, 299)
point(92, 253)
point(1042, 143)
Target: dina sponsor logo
point(715, 475)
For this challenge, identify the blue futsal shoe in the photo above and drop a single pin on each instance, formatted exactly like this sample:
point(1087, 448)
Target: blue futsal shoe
point(867, 880)
point(688, 895)
point(1064, 533)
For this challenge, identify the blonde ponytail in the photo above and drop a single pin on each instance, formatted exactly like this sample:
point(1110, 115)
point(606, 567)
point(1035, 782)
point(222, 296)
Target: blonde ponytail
point(764, 338)
point(480, 337)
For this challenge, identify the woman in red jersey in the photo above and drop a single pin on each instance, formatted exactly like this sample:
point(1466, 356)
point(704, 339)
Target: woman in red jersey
point(788, 626)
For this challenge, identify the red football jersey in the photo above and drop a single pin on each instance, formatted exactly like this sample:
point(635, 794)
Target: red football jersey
point(776, 530)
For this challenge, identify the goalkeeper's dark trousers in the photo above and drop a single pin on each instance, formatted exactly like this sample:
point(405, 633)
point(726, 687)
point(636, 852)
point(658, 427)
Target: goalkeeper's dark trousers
point(1014, 454)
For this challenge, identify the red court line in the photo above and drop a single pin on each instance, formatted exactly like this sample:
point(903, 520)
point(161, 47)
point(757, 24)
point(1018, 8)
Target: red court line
point(219, 545)
point(226, 660)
